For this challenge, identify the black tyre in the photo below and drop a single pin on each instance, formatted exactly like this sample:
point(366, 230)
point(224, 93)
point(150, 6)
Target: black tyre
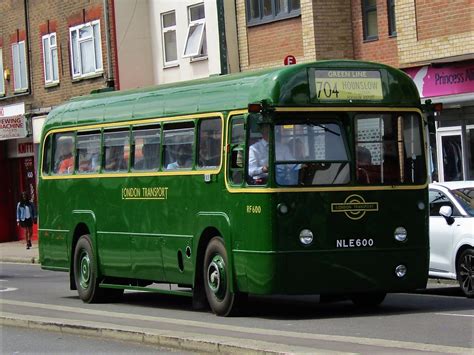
point(216, 278)
point(85, 274)
point(368, 300)
point(465, 272)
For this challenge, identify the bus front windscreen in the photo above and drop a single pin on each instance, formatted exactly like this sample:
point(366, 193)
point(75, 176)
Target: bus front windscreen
point(388, 150)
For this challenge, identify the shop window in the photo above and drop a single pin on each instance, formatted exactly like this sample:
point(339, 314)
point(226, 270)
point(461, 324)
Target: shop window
point(20, 71)
point(50, 59)
point(369, 16)
point(168, 30)
point(196, 45)
point(86, 50)
point(263, 11)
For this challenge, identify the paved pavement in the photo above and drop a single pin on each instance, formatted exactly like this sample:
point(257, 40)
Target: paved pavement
point(16, 252)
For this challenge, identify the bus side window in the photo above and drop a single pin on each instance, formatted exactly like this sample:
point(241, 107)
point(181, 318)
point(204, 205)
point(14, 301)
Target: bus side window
point(178, 146)
point(63, 153)
point(47, 155)
point(88, 152)
point(237, 144)
point(209, 148)
point(116, 150)
point(146, 147)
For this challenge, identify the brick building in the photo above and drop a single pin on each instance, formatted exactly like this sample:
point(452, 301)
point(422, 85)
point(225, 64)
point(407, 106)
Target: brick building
point(50, 51)
point(433, 41)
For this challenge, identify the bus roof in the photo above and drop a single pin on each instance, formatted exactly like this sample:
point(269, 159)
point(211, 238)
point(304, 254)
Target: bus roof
point(287, 86)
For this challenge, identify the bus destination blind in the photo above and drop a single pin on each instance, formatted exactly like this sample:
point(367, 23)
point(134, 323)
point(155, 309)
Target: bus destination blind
point(335, 85)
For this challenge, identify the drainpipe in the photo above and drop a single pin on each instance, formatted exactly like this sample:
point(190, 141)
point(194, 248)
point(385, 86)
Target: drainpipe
point(110, 73)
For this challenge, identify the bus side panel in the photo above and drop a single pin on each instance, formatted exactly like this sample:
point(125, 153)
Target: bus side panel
point(53, 249)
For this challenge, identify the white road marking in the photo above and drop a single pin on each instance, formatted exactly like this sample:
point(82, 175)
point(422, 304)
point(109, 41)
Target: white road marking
point(7, 289)
point(455, 315)
point(386, 343)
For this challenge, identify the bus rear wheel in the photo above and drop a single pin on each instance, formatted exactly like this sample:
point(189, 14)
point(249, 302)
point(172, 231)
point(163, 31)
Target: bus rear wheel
point(216, 278)
point(367, 300)
point(465, 272)
point(85, 274)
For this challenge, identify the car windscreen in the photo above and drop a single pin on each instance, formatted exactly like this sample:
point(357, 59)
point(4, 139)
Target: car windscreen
point(465, 197)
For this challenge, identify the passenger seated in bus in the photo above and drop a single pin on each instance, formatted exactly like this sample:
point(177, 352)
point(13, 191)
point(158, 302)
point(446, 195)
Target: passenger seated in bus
point(209, 154)
point(115, 160)
point(364, 161)
point(258, 158)
point(183, 159)
point(66, 161)
point(150, 157)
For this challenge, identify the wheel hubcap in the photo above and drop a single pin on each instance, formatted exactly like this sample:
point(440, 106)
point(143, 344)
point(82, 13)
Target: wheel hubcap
point(85, 271)
point(216, 277)
point(466, 272)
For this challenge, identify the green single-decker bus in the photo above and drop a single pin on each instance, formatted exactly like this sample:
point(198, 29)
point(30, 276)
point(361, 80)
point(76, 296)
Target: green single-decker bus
point(301, 180)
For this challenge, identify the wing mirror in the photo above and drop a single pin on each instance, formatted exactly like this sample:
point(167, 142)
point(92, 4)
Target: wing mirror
point(447, 213)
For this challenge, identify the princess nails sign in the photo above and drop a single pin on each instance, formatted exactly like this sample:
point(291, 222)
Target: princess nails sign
point(441, 81)
point(12, 122)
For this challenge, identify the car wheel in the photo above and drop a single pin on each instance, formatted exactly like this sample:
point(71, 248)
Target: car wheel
point(465, 272)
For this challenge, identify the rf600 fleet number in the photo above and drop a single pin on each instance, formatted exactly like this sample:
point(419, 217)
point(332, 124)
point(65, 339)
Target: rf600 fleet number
point(355, 243)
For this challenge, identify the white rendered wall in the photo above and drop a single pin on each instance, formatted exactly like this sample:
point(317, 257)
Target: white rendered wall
point(134, 46)
point(186, 69)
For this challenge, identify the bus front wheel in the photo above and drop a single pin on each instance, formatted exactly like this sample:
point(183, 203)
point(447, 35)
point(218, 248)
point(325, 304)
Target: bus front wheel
point(85, 274)
point(216, 278)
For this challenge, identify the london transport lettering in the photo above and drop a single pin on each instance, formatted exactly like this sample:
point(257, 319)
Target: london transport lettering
point(348, 85)
point(144, 193)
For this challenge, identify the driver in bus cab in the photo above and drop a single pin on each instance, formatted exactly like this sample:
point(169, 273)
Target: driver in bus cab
point(258, 157)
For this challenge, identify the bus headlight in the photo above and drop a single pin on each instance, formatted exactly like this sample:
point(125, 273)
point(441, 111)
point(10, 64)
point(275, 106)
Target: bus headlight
point(400, 234)
point(306, 237)
point(401, 270)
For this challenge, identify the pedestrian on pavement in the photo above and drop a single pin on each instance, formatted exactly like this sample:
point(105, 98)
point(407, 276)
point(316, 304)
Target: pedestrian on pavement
point(25, 216)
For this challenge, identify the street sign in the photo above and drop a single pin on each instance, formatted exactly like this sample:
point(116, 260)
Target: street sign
point(289, 60)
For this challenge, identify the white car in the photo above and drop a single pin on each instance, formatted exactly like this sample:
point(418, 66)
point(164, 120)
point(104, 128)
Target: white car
point(452, 232)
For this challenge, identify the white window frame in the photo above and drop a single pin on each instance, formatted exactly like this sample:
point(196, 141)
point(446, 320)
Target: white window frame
point(2, 80)
point(202, 30)
point(165, 30)
point(49, 54)
point(76, 48)
point(20, 70)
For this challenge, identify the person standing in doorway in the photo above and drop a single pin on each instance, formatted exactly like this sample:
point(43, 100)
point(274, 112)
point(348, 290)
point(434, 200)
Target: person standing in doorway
point(25, 216)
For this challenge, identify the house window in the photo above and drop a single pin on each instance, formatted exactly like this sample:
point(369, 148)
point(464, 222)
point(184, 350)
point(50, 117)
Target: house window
point(20, 76)
point(50, 59)
point(263, 11)
point(86, 50)
point(392, 26)
point(168, 29)
point(369, 16)
point(196, 45)
point(2, 83)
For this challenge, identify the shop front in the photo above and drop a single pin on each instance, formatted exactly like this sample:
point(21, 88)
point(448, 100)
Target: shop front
point(452, 85)
point(17, 167)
